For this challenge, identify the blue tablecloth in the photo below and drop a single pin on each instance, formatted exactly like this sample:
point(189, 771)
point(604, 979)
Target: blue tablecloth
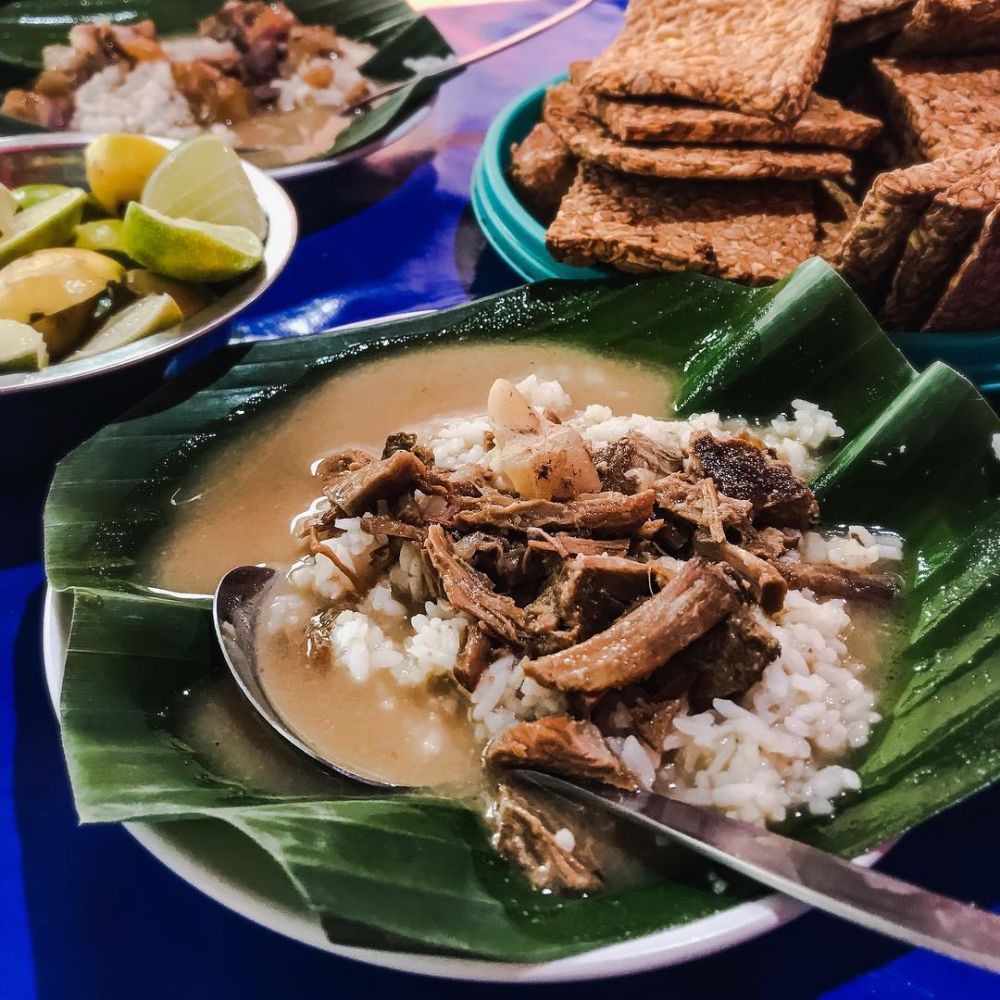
point(86, 912)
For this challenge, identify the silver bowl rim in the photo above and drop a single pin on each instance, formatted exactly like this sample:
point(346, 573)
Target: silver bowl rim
point(278, 246)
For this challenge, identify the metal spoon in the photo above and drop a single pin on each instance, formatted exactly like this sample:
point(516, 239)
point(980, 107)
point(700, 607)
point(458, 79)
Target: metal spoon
point(237, 604)
point(859, 895)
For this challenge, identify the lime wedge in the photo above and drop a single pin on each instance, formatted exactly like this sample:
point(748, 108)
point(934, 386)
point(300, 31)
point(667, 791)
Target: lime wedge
point(47, 224)
point(48, 281)
point(204, 179)
point(8, 209)
point(118, 167)
point(101, 234)
point(140, 319)
point(187, 249)
point(28, 195)
point(22, 348)
point(189, 298)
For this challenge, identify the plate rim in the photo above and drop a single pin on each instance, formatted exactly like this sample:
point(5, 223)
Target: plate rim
point(278, 246)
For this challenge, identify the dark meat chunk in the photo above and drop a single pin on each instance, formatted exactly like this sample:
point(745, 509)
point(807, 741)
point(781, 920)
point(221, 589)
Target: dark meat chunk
point(358, 490)
point(829, 581)
point(586, 594)
point(259, 30)
point(634, 451)
point(504, 561)
point(654, 719)
point(565, 545)
point(698, 502)
point(213, 96)
point(473, 658)
point(766, 584)
point(701, 595)
point(470, 591)
point(729, 660)
point(403, 441)
point(379, 524)
point(560, 745)
point(526, 828)
point(744, 470)
point(601, 513)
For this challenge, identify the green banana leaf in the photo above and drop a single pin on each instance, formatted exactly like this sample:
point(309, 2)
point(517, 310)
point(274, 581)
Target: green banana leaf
point(392, 26)
point(418, 874)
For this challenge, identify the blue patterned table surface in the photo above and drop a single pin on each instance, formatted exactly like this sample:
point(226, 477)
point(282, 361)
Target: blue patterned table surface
point(87, 913)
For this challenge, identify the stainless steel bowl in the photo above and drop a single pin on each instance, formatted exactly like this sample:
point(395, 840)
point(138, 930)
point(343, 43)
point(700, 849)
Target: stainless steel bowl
point(57, 158)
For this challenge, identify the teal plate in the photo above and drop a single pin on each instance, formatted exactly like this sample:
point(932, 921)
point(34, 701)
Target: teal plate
point(519, 238)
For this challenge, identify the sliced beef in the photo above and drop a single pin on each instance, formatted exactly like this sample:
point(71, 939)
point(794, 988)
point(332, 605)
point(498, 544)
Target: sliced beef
point(697, 502)
point(213, 95)
point(473, 658)
point(558, 744)
point(601, 513)
point(586, 594)
point(617, 461)
point(701, 595)
point(358, 490)
point(380, 524)
point(744, 470)
point(470, 591)
point(829, 581)
point(728, 660)
point(766, 584)
point(526, 835)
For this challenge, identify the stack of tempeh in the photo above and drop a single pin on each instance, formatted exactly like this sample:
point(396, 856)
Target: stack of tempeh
point(695, 141)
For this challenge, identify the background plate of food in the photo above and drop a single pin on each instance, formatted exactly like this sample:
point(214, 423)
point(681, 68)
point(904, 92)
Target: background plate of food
point(874, 149)
point(437, 559)
point(121, 248)
point(269, 78)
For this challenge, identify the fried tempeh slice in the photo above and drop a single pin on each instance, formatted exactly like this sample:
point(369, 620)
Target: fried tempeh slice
point(701, 595)
point(890, 210)
point(865, 32)
point(971, 302)
point(942, 106)
point(825, 122)
point(588, 139)
point(836, 211)
point(759, 58)
point(756, 231)
point(950, 27)
point(541, 171)
point(936, 247)
point(849, 11)
point(470, 591)
point(560, 745)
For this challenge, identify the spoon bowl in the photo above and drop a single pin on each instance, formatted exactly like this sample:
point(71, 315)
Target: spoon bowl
point(236, 607)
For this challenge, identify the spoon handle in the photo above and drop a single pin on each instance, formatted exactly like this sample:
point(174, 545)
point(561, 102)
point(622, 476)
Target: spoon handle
point(860, 895)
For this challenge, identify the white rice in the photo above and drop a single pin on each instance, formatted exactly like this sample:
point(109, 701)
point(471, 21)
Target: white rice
point(143, 99)
point(297, 92)
point(759, 759)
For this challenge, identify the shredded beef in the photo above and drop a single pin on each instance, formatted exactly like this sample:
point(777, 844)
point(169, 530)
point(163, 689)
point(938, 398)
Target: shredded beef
point(617, 461)
point(586, 594)
point(504, 561)
point(566, 545)
point(473, 658)
point(355, 491)
point(601, 513)
point(701, 595)
point(403, 441)
point(767, 585)
point(379, 524)
point(526, 827)
point(744, 470)
point(470, 591)
point(829, 581)
point(560, 745)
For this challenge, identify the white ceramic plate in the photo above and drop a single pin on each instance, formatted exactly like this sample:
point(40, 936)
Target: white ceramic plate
point(225, 866)
point(58, 158)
